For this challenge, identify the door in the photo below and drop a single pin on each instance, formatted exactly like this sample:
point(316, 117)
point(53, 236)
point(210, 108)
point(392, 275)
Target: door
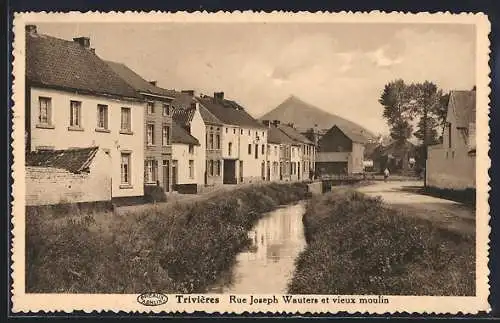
point(229, 173)
point(268, 171)
point(166, 176)
point(174, 175)
point(241, 171)
point(298, 171)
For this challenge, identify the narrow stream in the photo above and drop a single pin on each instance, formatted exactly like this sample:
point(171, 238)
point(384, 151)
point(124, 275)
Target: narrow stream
point(268, 265)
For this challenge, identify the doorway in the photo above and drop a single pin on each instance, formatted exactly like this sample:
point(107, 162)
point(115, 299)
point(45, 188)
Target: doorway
point(166, 176)
point(174, 175)
point(229, 174)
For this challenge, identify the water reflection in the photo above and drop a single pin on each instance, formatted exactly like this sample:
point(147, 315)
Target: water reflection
point(268, 264)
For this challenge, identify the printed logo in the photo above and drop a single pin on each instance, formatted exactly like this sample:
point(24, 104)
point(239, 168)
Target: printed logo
point(152, 299)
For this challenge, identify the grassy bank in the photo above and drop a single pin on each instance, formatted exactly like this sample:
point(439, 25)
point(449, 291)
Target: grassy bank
point(357, 245)
point(173, 248)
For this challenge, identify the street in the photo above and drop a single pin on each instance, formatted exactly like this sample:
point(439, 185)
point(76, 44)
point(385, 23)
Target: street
point(404, 196)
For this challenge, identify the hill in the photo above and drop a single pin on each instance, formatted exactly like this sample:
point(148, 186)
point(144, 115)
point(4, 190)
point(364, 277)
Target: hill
point(304, 116)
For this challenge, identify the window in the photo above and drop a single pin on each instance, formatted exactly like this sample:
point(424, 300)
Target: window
point(230, 148)
point(75, 114)
point(249, 149)
point(45, 113)
point(166, 110)
point(150, 134)
point(191, 149)
point(165, 135)
point(150, 171)
point(256, 151)
point(234, 131)
point(210, 168)
point(263, 134)
point(102, 116)
point(217, 141)
point(275, 150)
point(191, 168)
point(249, 132)
point(217, 167)
point(227, 129)
point(211, 141)
point(150, 107)
point(241, 131)
point(126, 120)
point(125, 169)
point(263, 149)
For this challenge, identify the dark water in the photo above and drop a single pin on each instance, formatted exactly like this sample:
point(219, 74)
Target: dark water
point(268, 265)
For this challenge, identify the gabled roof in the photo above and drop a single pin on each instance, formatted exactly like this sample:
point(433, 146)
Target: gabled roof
point(229, 112)
point(276, 136)
point(463, 106)
point(184, 110)
point(75, 160)
point(183, 116)
point(63, 64)
point(294, 134)
point(352, 134)
point(181, 136)
point(137, 82)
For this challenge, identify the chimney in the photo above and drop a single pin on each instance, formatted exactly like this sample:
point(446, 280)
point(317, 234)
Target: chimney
point(30, 29)
point(276, 123)
point(188, 92)
point(153, 83)
point(266, 123)
point(83, 41)
point(218, 96)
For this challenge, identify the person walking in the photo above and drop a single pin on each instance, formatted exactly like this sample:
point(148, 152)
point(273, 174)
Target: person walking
point(386, 174)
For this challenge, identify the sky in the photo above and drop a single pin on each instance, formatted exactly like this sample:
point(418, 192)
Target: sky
point(338, 67)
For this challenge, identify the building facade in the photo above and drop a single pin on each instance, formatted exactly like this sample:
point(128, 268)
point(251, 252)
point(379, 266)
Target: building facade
point(244, 144)
point(340, 151)
point(83, 104)
point(186, 153)
point(452, 164)
point(157, 128)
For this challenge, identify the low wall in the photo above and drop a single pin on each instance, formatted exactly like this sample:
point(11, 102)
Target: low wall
point(315, 188)
point(47, 185)
point(450, 170)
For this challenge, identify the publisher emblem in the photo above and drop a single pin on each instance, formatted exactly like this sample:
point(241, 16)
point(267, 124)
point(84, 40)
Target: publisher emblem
point(152, 299)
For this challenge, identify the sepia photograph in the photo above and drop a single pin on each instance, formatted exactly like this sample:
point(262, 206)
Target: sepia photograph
point(169, 159)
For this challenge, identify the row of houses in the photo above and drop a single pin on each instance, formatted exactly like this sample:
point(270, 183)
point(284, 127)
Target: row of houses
point(96, 130)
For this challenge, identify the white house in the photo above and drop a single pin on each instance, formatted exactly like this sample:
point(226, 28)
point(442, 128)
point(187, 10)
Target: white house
point(188, 116)
point(452, 164)
point(74, 100)
point(186, 152)
point(244, 140)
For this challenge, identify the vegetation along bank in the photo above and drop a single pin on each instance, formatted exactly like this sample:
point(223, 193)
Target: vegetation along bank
point(358, 245)
point(174, 248)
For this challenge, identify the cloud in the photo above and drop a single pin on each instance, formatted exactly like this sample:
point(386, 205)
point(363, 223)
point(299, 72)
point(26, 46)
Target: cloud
point(380, 58)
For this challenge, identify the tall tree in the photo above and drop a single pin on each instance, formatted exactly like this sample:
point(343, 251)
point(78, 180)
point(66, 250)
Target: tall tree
point(398, 109)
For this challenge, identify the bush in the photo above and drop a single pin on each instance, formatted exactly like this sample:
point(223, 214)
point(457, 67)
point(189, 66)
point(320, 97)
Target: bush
point(177, 248)
point(357, 245)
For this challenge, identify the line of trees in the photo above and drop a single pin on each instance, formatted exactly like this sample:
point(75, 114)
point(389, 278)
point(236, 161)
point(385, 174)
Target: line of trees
point(406, 103)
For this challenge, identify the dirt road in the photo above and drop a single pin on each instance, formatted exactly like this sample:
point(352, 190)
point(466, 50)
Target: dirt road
point(404, 196)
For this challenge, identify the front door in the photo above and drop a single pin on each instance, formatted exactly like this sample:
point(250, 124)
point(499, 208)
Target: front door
point(229, 172)
point(166, 176)
point(241, 171)
point(174, 174)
